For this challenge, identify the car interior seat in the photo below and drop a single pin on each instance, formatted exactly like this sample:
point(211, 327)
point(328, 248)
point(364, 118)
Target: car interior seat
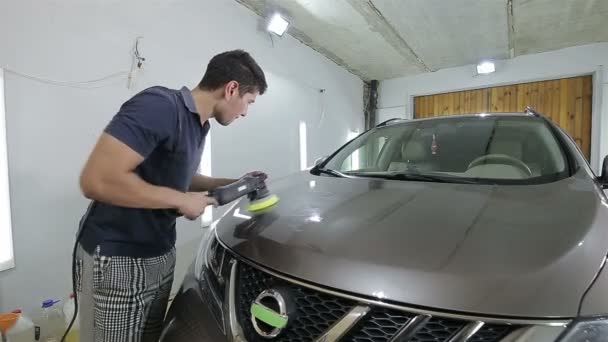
point(415, 157)
point(534, 156)
point(511, 148)
point(508, 146)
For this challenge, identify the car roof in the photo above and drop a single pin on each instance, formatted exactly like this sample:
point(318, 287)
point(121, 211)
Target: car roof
point(529, 113)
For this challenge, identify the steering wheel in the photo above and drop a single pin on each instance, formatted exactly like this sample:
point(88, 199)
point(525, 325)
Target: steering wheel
point(501, 159)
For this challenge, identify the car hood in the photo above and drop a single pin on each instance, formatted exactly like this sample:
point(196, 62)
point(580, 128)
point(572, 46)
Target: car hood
point(513, 251)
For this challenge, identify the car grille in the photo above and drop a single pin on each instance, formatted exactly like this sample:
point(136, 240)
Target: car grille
point(317, 311)
point(438, 329)
point(381, 325)
point(491, 332)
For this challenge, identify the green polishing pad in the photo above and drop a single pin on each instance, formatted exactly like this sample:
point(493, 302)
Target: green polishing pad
point(263, 205)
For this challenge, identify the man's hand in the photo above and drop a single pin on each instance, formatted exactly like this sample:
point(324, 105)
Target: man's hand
point(194, 203)
point(260, 174)
point(202, 183)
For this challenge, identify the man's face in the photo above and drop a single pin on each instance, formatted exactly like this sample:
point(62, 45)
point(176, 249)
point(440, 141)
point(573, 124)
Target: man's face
point(233, 105)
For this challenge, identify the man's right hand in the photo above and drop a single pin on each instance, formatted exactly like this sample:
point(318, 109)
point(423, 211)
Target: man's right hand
point(194, 203)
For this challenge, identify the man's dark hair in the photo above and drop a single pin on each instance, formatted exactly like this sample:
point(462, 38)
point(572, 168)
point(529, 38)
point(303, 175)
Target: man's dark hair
point(235, 65)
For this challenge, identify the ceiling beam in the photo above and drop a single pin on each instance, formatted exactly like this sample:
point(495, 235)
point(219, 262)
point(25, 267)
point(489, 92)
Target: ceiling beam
point(510, 28)
point(376, 19)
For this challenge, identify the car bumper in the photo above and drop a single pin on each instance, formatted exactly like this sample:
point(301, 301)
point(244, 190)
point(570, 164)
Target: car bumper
point(191, 317)
point(197, 314)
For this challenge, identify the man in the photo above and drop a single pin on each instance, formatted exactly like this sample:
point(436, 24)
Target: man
point(140, 177)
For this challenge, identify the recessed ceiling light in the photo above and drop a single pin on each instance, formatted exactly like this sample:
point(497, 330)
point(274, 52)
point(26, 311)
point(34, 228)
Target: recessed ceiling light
point(277, 24)
point(486, 68)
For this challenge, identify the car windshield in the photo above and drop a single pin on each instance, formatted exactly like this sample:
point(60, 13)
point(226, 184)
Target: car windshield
point(477, 149)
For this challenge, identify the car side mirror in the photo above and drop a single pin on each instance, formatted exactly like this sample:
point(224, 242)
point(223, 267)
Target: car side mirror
point(604, 176)
point(320, 160)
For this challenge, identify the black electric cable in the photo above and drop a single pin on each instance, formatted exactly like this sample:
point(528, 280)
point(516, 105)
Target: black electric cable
point(73, 289)
point(74, 285)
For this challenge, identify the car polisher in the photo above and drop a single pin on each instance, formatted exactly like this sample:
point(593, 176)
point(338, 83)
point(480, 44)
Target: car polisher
point(260, 199)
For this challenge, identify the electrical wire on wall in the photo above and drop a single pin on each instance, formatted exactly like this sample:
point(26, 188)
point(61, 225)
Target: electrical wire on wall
point(137, 63)
point(100, 82)
point(88, 84)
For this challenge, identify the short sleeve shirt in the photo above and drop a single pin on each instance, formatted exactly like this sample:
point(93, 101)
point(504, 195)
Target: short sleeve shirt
point(164, 127)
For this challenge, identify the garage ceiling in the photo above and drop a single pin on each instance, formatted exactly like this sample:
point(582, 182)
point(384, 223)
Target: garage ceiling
point(381, 39)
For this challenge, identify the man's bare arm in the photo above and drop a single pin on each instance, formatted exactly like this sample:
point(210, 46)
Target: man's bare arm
point(108, 176)
point(205, 183)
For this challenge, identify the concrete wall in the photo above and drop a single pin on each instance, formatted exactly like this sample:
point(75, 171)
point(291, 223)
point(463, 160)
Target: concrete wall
point(396, 95)
point(51, 129)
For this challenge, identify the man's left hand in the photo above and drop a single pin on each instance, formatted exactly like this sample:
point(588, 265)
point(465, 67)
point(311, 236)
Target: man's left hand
point(259, 174)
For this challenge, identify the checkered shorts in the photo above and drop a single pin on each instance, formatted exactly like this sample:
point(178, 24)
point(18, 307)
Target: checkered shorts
point(122, 299)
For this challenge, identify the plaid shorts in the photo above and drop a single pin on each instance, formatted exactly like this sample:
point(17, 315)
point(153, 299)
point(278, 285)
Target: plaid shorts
point(122, 299)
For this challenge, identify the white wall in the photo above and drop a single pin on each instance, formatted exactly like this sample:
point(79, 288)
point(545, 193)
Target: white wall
point(51, 129)
point(395, 95)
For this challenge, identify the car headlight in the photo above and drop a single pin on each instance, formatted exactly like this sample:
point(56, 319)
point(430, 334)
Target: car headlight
point(210, 270)
point(590, 329)
point(200, 262)
point(214, 264)
point(210, 256)
point(216, 260)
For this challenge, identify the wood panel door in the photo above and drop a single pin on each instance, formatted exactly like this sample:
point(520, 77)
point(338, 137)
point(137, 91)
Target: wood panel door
point(567, 102)
point(462, 102)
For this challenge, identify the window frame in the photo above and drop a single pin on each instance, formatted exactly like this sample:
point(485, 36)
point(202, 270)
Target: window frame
point(6, 229)
point(205, 170)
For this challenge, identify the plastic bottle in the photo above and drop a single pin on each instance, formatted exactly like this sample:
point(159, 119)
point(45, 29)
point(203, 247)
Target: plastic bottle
point(7, 321)
point(22, 331)
point(68, 312)
point(51, 321)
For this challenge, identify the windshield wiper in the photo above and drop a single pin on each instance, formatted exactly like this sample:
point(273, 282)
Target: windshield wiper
point(414, 176)
point(417, 177)
point(431, 178)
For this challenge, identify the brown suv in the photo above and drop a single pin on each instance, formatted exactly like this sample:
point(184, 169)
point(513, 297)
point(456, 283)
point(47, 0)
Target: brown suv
point(480, 228)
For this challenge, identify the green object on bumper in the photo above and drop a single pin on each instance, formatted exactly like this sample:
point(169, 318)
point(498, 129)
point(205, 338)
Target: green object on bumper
point(268, 316)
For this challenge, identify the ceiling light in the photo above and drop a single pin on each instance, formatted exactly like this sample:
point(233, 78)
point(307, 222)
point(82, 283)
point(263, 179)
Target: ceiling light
point(486, 68)
point(277, 24)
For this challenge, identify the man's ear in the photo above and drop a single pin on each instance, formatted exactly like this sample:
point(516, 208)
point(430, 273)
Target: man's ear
point(231, 89)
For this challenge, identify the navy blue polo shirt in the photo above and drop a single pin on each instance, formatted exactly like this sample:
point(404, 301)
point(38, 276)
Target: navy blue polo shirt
point(164, 127)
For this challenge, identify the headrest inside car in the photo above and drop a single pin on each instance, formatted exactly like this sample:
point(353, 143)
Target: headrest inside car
point(413, 151)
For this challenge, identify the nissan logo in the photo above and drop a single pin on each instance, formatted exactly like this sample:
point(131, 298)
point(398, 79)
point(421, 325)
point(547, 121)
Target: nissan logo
point(269, 314)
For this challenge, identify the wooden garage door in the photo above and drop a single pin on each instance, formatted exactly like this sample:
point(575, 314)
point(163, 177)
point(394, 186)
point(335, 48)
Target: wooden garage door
point(566, 101)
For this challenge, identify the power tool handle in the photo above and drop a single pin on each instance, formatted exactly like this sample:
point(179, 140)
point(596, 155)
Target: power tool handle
point(228, 193)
